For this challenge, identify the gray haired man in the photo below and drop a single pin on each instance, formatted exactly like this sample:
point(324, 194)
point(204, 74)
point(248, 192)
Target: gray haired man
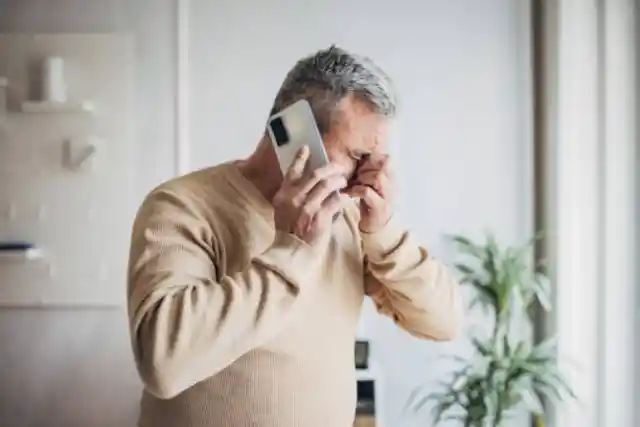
point(244, 294)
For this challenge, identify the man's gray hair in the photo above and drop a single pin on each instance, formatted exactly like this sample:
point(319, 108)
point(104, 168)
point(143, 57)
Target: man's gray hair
point(328, 76)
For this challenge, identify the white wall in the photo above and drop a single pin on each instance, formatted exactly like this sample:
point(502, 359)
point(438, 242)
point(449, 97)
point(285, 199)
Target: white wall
point(462, 151)
point(74, 368)
point(461, 144)
point(637, 214)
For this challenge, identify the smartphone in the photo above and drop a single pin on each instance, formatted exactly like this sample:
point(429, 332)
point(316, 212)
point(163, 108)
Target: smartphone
point(293, 128)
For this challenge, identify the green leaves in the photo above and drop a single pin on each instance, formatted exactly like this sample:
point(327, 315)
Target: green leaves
point(504, 279)
point(541, 288)
point(503, 378)
point(506, 374)
point(532, 401)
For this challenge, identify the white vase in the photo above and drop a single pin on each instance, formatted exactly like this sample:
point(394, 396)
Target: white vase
point(54, 88)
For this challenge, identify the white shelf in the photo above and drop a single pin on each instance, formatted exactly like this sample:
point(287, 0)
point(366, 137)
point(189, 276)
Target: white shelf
point(21, 255)
point(47, 107)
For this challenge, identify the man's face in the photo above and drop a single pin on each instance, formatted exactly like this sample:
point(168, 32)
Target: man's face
point(359, 132)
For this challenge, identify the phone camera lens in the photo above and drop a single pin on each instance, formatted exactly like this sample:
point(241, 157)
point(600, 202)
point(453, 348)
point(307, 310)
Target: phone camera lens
point(279, 131)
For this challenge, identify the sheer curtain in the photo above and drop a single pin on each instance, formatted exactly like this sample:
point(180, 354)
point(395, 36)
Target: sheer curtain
point(589, 132)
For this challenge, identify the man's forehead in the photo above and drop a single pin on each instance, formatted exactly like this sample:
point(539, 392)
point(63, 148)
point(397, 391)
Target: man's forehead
point(371, 134)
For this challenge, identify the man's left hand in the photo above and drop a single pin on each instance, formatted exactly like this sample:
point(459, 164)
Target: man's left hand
point(373, 185)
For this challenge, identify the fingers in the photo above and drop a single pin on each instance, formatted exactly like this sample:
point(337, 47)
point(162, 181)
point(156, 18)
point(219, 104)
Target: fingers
point(321, 191)
point(306, 204)
point(328, 178)
point(321, 174)
point(329, 209)
point(367, 195)
point(375, 174)
point(376, 161)
point(376, 180)
point(296, 169)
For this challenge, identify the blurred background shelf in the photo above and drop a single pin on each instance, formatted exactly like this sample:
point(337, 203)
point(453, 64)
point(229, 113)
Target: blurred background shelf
point(21, 254)
point(48, 107)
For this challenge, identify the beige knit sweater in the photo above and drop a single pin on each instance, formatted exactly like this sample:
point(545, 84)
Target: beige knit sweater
point(236, 325)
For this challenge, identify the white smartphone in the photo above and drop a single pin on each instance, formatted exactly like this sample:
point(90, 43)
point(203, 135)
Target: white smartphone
point(293, 128)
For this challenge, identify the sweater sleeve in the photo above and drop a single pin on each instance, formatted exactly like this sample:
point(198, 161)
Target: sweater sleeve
point(186, 322)
point(417, 291)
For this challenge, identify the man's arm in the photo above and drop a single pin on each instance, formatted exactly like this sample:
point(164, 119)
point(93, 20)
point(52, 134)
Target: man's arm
point(418, 292)
point(186, 322)
point(405, 282)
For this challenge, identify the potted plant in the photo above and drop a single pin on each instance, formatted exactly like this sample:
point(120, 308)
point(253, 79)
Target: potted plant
point(507, 373)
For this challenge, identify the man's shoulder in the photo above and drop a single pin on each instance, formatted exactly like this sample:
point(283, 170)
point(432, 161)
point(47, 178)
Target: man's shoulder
point(189, 193)
point(192, 182)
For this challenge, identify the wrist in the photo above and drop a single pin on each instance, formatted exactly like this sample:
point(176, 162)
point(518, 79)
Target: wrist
point(366, 228)
point(383, 241)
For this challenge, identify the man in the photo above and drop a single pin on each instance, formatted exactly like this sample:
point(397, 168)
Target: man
point(244, 291)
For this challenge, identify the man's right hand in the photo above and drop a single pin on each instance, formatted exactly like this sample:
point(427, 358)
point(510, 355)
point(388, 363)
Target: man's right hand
point(305, 205)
